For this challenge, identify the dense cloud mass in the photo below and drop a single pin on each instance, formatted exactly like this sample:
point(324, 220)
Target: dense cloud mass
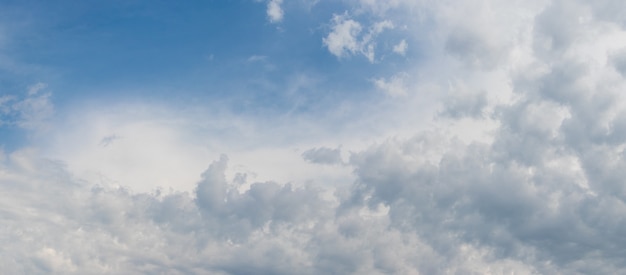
point(542, 191)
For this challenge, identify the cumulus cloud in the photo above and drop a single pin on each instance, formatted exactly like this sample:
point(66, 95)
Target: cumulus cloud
point(275, 12)
point(53, 223)
point(347, 37)
point(343, 39)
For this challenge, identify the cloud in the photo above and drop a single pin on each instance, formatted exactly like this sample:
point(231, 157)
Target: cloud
point(456, 212)
point(465, 105)
point(347, 38)
point(121, 232)
point(343, 40)
point(514, 197)
point(108, 140)
point(152, 147)
point(34, 89)
point(269, 228)
point(257, 58)
point(618, 60)
point(31, 112)
point(275, 12)
point(394, 86)
point(323, 155)
point(401, 47)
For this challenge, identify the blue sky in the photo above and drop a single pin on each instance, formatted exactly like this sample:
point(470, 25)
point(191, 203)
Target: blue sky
point(191, 50)
point(312, 137)
point(189, 54)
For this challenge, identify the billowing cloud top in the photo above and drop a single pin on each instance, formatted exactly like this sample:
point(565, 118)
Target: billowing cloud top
point(313, 137)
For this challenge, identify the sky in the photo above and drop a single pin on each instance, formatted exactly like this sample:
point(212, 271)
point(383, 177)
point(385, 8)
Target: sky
point(313, 137)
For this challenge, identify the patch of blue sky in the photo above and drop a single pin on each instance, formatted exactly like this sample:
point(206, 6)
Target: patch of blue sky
point(190, 52)
point(12, 138)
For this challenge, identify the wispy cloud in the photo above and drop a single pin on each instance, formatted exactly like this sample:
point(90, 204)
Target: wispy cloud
point(108, 140)
point(29, 112)
point(401, 47)
point(347, 38)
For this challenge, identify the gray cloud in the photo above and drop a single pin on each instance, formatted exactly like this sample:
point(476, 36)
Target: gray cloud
point(464, 105)
point(323, 155)
point(53, 223)
point(473, 49)
point(618, 60)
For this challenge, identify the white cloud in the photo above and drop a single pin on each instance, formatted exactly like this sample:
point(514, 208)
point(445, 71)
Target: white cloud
point(394, 86)
point(401, 47)
point(34, 89)
point(368, 41)
point(270, 228)
point(31, 112)
point(343, 39)
point(146, 147)
point(275, 12)
point(346, 37)
point(257, 58)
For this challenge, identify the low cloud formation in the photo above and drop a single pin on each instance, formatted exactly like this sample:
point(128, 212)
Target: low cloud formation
point(540, 199)
point(56, 224)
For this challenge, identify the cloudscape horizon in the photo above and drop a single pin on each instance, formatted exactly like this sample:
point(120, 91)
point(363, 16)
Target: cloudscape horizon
point(313, 137)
